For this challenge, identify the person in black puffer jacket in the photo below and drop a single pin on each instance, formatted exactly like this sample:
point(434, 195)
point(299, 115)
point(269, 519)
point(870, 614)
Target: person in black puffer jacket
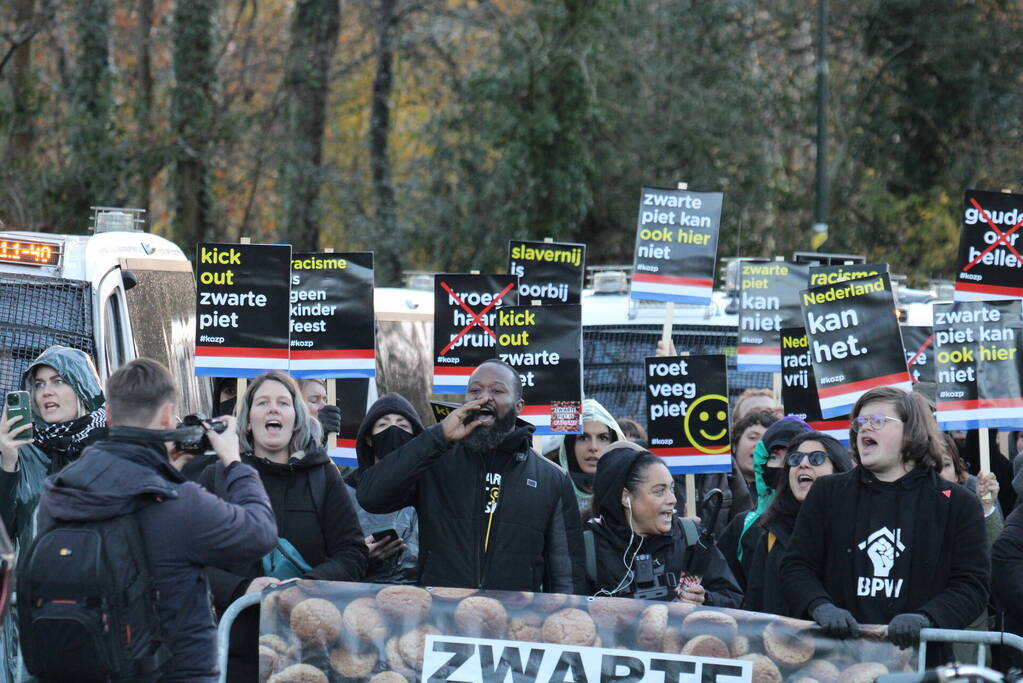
point(310, 502)
point(810, 455)
point(636, 533)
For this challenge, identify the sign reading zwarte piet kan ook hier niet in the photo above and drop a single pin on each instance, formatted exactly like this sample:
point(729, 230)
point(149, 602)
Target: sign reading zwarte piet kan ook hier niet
point(676, 245)
point(332, 324)
point(241, 316)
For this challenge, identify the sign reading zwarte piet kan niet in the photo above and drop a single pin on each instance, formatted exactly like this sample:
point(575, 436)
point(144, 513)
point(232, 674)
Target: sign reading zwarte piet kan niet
point(768, 301)
point(855, 343)
point(464, 314)
point(990, 265)
point(799, 386)
point(544, 343)
point(551, 272)
point(979, 352)
point(241, 316)
point(676, 244)
point(332, 325)
point(687, 413)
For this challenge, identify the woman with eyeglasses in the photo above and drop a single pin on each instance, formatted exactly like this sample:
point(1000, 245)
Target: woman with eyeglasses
point(810, 456)
point(889, 542)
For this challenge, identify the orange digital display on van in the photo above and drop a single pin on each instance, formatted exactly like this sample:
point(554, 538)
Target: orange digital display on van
point(29, 253)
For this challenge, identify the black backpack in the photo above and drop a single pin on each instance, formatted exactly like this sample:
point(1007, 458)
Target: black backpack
point(87, 604)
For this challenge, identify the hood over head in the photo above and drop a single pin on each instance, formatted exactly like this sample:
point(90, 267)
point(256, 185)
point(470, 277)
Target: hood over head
point(609, 480)
point(385, 405)
point(77, 369)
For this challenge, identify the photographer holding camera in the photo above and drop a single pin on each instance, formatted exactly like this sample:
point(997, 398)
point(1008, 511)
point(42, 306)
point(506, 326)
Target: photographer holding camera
point(183, 529)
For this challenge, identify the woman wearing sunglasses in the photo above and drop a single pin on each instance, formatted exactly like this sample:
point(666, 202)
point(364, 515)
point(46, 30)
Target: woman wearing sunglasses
point(810, 456)
point(889, 542)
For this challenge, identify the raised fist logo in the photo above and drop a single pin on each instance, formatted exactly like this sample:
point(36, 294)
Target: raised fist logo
point(882, 547)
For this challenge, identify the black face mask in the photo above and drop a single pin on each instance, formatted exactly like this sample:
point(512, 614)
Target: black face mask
point(770, 475)
point(389, 440)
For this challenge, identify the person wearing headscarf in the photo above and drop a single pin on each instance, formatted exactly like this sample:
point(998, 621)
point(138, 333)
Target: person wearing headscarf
point(636, 533)
point(740, 538)
point(580, 453)
point(811, 456)
point(390, 423)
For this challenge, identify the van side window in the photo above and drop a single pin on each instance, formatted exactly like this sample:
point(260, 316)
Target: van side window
point(113, 332)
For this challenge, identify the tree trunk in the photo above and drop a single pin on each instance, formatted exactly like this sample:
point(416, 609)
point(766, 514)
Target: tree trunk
point(314, 34)
point(147, 166)
point(387, 243)
point(192, 120)
point(23, 128)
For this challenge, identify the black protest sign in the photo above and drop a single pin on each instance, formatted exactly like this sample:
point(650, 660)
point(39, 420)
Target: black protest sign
point(464, 314)
point(989, 265)
point(352, 398)
point(918, 343)
point(676, 245)
point(829, 275)
point(768, 301)
point(855, 343)
point(332, 324)
point(799, 386)
point(544, 343)
point(979, 354)
point(687, 413)
point(241, 314)
point(551, 272)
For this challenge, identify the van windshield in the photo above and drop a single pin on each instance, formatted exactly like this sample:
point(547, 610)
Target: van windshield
point(36, 313)
point(162, 311)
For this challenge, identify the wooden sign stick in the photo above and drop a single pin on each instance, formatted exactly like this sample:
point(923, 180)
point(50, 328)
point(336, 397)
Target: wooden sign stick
point(984, 437)
point(331, 392)
point(243, 382)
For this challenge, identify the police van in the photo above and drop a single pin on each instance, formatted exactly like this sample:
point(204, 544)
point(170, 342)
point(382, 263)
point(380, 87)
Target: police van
point(119, 293)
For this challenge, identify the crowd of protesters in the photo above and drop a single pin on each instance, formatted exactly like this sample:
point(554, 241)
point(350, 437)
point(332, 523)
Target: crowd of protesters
point(899, 528)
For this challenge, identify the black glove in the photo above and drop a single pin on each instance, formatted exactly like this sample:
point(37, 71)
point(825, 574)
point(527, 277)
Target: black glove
point(836, 622)
point(330, 419)
point(904, 630)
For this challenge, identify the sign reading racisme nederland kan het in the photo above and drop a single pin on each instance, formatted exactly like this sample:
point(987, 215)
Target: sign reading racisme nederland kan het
point(855, 344)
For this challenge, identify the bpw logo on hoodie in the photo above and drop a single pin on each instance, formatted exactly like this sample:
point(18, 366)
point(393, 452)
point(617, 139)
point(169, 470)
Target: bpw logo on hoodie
point(883, 547)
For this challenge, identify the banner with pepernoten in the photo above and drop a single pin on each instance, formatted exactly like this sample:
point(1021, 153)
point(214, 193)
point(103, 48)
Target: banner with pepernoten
point(855, 343)
point(676, 245)
point(979, 354)
point(551, 272)
point(799, 386)
point(465, 310)
point(687, 413)
point(332, 323)
point(544, 343)
point(340, 631)
point(241, 314)
point(990, 265)
point(768, 301)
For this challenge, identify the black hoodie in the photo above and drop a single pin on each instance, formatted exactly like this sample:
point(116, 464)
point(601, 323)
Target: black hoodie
point(535, 537)
point(613, 539)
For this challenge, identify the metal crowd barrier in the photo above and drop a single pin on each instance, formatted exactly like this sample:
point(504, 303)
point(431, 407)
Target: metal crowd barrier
point(224, 628)
point(984, 639)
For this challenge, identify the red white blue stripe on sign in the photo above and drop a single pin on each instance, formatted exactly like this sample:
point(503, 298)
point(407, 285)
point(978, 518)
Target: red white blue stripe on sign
point(336, 364)
point(969, 291)
point(838, 400)
point(343, 454)
point(451, 380)
point(839, 429)
point(758, 358)
point(224, 361)
point(979, 414)
point(689, 460)
point(683, 290)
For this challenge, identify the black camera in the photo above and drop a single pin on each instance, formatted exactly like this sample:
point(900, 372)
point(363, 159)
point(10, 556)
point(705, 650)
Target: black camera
point(652, 579)
point(193, 437)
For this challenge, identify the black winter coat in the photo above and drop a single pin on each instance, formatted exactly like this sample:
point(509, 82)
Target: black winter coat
point(184, 531)
point(668, 550)
point(942, 523)
point(763, 581)
point(1007, 578)
point(536, 539)
point(330, 540)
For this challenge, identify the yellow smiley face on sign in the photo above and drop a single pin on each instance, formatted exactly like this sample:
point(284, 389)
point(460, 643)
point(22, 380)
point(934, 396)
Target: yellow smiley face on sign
point(706, 422)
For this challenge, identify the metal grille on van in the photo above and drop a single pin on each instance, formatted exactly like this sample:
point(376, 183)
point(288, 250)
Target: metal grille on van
point(613, 362)
point(35, 314)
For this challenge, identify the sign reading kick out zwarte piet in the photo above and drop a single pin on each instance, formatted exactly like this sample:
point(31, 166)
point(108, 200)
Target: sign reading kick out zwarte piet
point(990, 265)
point(332, 325)
point(979, 354)
point(854, 339)
point(544, 343)
point(799, 387)
point(687, 413)
point(464, 314)
point(676, 244)
point(551, 272)
point(241, 314)
point(768, 301)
